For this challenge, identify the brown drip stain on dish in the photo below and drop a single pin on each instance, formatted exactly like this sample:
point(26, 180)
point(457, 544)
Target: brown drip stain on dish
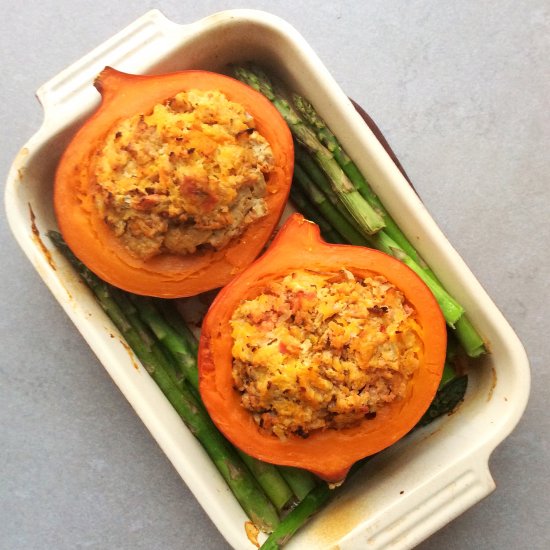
point(19, 159)
point(130, 352)
point(493, 384)
point(38, 239)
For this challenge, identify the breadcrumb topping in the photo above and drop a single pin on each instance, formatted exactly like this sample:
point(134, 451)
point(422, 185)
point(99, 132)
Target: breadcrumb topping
point(189, 174)
point(320, 351)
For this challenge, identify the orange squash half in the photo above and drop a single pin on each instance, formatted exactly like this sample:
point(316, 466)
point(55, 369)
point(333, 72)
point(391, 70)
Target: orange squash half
point(166, 275)
point(329, 453)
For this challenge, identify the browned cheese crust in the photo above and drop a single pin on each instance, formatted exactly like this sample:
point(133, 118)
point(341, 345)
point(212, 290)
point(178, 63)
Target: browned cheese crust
point(190, 174)
point(323, 350)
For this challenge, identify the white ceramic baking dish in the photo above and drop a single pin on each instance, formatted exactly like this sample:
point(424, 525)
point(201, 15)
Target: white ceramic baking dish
point(405, 493)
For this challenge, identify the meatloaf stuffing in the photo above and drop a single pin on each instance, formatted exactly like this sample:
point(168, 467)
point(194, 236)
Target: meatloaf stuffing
point(319, 351)
point(189, 174)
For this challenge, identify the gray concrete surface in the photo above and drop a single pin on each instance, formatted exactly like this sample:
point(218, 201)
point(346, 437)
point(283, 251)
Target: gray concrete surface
point(461, 90)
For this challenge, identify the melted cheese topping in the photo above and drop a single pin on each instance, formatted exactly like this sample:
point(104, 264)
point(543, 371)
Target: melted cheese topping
point(191, 173)
point(323, 350)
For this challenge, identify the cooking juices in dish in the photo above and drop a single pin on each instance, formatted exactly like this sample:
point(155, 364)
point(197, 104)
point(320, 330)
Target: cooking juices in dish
point(318, 355)
point(175, 184)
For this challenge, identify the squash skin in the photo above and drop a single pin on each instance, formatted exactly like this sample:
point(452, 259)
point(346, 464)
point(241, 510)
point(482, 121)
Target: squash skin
point(166, 275)
point(328, 454)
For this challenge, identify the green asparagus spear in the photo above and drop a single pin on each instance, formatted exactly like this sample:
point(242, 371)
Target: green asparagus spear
point(301, 202)
point(301, 482)
point(470, 340)
point(448, 374)
point(327, 210)
point(452, 311)
point(311, 504)
point(170, 338)
point(221, 453)
point(465, 332)
point(173, 317)
point(311, 168)
point(272, 481)
point(327, 138)
point(181, 346)
point(124, 315)
point(365, 216)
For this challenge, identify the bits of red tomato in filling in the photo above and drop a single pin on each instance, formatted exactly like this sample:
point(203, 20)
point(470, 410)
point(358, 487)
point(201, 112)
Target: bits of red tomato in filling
point(189, 174)
point(322, 350)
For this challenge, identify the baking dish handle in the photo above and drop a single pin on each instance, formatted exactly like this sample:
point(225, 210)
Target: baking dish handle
point(71, 90)
point(423, 512)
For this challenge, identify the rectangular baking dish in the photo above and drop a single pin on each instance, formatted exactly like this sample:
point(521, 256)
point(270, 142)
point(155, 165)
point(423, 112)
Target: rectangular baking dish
point(410, 490)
